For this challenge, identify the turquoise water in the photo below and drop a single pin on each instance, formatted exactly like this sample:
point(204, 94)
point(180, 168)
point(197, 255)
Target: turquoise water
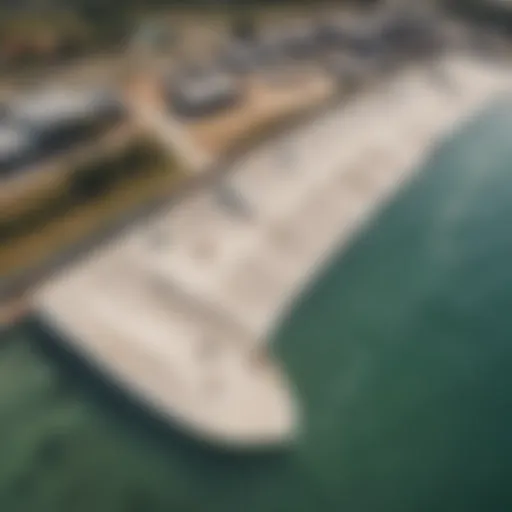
point(401, 353)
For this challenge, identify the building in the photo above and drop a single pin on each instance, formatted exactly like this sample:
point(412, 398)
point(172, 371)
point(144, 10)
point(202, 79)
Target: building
point(202, 93)
point(16, 148)
point(153, 36)
point(244, 57)
point(350, 72)
point(299, 41)
point(332, 34)
point(411, 32)
point(495, 14)
point(59, 118)
point(272, 47)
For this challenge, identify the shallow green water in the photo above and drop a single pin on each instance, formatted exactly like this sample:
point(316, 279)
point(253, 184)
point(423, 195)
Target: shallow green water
point(401, 353)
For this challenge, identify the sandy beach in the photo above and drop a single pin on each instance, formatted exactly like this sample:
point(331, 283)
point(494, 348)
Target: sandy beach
point(226, 263)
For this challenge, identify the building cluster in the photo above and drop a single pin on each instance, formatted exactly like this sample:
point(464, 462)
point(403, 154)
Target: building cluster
point(39, 125)
point(349, 49)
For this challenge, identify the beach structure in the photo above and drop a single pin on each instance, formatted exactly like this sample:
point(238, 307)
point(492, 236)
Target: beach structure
point(201, 93)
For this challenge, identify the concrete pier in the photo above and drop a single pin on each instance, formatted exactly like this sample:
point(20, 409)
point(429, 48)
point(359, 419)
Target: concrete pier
point(180, 309)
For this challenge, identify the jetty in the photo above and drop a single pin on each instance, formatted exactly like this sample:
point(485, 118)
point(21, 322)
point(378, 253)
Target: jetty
point(180, 310)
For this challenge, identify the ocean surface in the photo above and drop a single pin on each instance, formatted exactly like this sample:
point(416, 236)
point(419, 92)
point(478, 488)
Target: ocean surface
point(401, 352)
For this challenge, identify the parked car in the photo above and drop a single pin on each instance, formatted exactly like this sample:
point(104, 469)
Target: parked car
point(202, 93)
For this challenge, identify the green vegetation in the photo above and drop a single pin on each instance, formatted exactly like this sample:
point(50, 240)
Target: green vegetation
point(62, 221)
point(93, 179)
point(88, 182)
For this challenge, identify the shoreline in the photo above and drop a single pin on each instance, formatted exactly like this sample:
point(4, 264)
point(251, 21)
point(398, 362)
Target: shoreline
point(250, 268)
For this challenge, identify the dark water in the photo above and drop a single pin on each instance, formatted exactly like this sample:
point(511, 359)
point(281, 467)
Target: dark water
point(401, 352)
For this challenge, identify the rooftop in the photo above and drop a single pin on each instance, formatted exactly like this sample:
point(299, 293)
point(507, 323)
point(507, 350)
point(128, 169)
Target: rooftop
point(201, 86)
point(12, 141)
point(58, 105)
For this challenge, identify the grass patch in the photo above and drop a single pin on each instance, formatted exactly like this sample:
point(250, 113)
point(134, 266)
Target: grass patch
point(59, 226)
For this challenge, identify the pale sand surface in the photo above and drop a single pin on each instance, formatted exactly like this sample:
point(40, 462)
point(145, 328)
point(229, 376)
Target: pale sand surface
point(144, 309)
